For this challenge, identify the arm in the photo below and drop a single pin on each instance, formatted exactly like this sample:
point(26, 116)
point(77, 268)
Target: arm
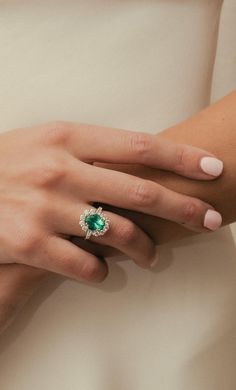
point(213, 129)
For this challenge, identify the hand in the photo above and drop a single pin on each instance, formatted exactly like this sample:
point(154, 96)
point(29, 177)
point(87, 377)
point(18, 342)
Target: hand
point(48, 179)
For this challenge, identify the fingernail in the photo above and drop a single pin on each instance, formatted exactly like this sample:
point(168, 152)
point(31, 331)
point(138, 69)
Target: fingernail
point(212, 220)
point(211, 166)
point(155, 261)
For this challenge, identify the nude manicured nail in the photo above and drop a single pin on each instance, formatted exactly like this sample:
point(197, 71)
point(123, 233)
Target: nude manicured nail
point(211, 166)
point(212, 220)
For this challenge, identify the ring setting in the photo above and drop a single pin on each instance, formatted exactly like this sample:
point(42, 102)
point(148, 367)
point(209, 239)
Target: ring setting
point(94, 222)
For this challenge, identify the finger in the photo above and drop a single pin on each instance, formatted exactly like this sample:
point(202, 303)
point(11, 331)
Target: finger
point(128, 238)
point(63, 257)
point(102, 144)
point(123, 234)
point(133, 193)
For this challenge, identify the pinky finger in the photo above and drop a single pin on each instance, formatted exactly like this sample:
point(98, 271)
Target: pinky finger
point(63, 257)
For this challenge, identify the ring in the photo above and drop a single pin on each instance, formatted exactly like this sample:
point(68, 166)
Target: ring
point(94, 222)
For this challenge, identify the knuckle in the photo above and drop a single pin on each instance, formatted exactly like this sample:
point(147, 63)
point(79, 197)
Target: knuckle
point(90, 271)
point(143, 194)
point(140, 144)
point(126, 233)
point(26, 244)
point(43, 202)
point(81, 270)
point(57, 133)
point(190, 212)
point(50, 172)
point(67, 264)
point(180, 158)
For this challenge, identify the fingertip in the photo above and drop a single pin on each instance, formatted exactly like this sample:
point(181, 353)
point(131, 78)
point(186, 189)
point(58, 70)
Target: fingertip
point(97, 272)
point(212, 220)
point(212, 166)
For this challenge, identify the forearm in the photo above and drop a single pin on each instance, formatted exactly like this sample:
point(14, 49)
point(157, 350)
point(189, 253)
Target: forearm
point(213, 129)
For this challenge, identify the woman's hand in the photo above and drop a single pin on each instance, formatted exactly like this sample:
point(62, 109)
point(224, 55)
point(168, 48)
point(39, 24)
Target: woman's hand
point(47, 179)
point(18, 282)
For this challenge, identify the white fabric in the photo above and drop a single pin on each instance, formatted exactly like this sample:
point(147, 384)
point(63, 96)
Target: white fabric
point(141, 65)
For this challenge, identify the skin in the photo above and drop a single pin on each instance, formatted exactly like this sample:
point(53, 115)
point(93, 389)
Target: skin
point(51, 179)
point(204, 130)
point(215, 130)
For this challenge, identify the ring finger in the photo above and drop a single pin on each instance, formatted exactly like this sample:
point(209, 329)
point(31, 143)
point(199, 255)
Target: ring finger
point(123, 234)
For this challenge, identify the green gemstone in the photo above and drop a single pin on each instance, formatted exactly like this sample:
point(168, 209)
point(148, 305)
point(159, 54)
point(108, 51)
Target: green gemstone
point(95, 222)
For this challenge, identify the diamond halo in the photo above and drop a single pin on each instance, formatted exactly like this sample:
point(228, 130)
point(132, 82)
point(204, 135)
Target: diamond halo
point(94, 222)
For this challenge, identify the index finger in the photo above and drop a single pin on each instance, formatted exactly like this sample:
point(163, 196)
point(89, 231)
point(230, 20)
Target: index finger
point(101, 144)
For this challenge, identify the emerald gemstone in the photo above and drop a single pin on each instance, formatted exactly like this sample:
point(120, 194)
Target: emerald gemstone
point(95, 222)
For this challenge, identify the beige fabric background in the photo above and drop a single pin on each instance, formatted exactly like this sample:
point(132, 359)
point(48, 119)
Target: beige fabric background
point(139, 64)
